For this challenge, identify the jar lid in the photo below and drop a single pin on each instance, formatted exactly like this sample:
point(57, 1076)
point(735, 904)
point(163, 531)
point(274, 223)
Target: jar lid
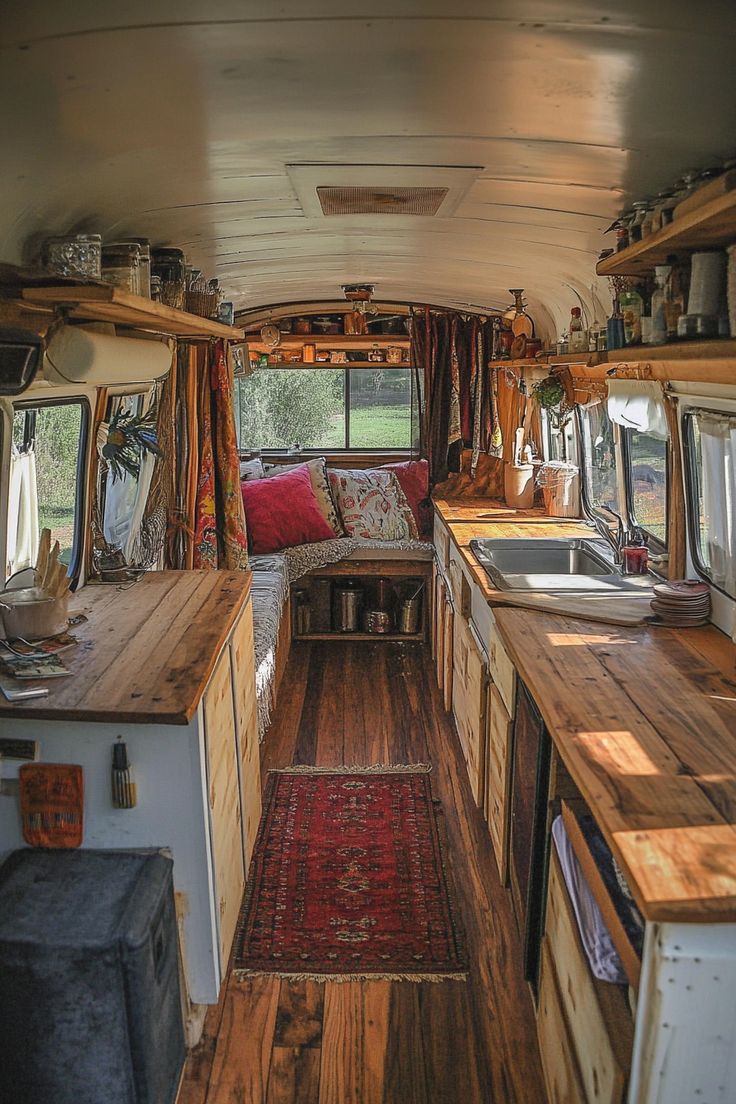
point(168, 253)
point(92, 239)
point(121, 249)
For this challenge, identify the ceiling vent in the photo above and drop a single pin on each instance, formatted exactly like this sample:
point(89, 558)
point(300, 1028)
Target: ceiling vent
point(425, 191)
point(381, 201)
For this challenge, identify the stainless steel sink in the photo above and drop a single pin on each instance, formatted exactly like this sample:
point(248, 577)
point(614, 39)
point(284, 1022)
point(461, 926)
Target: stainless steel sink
point(552, 564)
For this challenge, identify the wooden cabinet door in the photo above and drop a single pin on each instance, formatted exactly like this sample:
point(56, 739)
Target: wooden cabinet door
point(598, 1020)
point(224, 802)
point(498, 774)
point(460, 649)
point(477, 719)
point(558, 1057)
point(246, 723)
point(447, 648)
point(440, 599)
point(474, 709)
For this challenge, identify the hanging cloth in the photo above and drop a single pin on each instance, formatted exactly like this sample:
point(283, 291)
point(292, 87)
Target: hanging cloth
point(233, 542)
point(638, 405)
point(205, 524)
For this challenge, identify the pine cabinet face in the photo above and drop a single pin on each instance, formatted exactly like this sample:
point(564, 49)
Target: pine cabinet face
point(224, 802)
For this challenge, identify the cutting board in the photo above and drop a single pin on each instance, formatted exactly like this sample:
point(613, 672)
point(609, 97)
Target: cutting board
point(612, 610)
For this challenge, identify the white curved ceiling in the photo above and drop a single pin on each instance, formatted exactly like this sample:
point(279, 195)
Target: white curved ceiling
point(177, 120)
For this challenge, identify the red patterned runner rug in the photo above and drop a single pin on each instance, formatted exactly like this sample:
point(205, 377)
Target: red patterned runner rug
point(348, 880)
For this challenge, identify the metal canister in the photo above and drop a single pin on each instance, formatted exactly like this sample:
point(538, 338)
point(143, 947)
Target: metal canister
point(347, 601)
point(410, 611)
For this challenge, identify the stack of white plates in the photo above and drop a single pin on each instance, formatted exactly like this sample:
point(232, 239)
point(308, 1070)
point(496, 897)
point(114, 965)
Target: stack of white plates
point(681, 602)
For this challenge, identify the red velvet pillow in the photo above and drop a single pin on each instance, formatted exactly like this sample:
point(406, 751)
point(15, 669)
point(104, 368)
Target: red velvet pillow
point(413, 477)
point(283, 511)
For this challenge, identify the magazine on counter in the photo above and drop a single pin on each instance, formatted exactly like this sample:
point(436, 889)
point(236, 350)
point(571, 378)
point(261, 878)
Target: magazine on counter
point(20, 667)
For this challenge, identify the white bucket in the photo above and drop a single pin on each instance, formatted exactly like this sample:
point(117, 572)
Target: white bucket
point(560, 483)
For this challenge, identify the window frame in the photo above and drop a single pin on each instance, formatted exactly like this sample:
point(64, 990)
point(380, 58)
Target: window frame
point(653, 542)
point(591, 509)
point(693, 497)
point(345, 450)
point(76, 559)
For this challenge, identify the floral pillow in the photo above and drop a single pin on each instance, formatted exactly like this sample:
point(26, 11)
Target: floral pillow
point(372, 505)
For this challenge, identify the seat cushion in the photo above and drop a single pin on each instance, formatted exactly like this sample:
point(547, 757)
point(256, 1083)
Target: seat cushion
point(372, 504)
point(283, 511)
point(413, 477)
point(320, 485)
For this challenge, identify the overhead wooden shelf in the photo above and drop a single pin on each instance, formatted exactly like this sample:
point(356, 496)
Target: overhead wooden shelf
point(703, 227)
point(333, 341)
point(111, 304)
point(328, 364)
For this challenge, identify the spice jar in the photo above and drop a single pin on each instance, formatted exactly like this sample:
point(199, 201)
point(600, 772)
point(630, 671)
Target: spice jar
point(121, 264)
point(73, 255)
point(168, 265)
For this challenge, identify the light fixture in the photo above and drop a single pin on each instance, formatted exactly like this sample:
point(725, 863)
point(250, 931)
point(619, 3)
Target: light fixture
point(360, 296)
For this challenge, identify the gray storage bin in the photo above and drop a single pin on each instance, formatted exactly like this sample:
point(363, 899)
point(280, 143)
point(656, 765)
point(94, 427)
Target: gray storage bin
point(89, 981)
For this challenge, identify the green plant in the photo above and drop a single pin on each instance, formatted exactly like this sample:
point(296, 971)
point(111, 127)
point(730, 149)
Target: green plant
point(549, 393)
point(129, 436)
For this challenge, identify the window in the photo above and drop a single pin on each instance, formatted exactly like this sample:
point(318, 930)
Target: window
point(123, 501)
point(327, 409)
point(648, 485)
point(46, 481)
point(711, 443)
point(600, 480)
point(560, 440)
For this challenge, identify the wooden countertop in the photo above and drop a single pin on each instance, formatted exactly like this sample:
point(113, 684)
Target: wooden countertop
point(145, 653)
point(645, 721)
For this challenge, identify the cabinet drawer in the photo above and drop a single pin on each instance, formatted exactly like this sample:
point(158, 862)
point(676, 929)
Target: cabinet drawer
point(498, 773)
point(224, 802)
point(503, 673)
point(596, 1012)
point(558, 1059)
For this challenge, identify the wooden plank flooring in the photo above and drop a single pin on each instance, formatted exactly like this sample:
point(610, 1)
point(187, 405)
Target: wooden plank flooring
point(377, 1042)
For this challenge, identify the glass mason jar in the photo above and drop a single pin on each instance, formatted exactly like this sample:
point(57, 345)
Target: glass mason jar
point(169, 265)
point(121, 266)
point(144, 270)
point(73, 255)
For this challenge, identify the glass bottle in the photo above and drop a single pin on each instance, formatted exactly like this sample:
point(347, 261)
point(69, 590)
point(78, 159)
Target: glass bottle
point(632, 306)
point(675, 299)
point(659, 296)
point(578, 336)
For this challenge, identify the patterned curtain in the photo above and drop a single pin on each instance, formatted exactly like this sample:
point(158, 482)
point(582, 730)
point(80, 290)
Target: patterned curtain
point(207, 522)
point(458, 407)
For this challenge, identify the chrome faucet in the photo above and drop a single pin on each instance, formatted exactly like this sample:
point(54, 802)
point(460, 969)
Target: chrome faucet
point(615, 537)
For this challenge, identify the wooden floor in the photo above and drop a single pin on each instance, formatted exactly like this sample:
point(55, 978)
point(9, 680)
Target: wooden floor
point(277, 1042)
